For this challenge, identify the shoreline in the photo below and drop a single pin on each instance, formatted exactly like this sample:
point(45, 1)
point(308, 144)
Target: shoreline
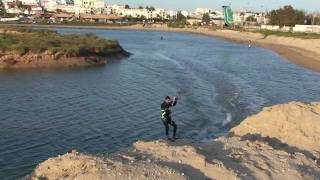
point(303, 52)
point(36, 61)
point(30, 61)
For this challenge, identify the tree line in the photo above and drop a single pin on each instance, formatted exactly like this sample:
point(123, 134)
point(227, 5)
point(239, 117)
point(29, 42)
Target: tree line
point(151, 8)
point(288, 16)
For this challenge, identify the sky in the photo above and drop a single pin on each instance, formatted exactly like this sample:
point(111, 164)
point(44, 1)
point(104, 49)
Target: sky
point(254, 5)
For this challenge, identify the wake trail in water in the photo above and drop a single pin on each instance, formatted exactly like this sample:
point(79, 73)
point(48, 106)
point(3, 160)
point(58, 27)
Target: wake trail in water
point(187, 75)
point(172, 60)
point(237, 97)
point(227, 120)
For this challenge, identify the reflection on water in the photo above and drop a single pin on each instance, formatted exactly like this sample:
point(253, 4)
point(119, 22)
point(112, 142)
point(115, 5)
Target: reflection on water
point(102, 109)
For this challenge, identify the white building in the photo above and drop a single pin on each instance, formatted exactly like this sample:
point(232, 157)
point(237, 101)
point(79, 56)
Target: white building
point(95, 4)
point(49, 5)
point(202, 11)
point(306, 28)
point(192, 21)
point(67, 8)
point(135, 13)
point(29, 2)
point(79, 7)
point(270, 27)
point(185, 13)
point(262, 19)
point(11, 7)
point(114, 8)
point(216, 15)
point(172, 14)
point(239, 18)
point(33, 10)
point(61, 2)
point(13, 11)
point(199, 12)
point(36, 10)
point(157, 13)
point(24, 2)
point(9, 19)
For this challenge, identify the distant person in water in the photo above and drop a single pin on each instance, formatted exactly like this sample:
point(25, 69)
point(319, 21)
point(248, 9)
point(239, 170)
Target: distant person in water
point(166, 116)
point(249, 44)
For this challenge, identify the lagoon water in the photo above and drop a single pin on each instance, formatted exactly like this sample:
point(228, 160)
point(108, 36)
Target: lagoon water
point(102, 109)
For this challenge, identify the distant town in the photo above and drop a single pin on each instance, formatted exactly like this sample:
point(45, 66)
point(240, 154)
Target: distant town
point(99, 12)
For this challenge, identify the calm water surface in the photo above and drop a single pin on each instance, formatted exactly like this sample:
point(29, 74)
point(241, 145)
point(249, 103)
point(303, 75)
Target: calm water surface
point(101, 109)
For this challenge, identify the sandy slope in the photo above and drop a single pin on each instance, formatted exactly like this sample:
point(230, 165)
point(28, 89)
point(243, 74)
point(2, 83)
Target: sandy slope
point(296, 124)
point(281, 142)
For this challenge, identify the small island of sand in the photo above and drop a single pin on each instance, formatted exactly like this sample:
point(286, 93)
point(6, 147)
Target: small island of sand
point(22, 48)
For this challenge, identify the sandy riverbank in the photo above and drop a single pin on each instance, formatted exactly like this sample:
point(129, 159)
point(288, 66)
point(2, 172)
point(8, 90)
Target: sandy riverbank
point(304, 52)
point(46, 60)
point(281, 142)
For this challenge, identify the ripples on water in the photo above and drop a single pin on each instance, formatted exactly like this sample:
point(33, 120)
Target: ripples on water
point(102, 109)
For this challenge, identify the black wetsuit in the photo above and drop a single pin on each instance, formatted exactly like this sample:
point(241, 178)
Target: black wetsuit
point(166, 117)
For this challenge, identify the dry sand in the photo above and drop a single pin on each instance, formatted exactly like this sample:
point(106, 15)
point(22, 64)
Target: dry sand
point(281, 142)
point(304, 52)
point(295, 124)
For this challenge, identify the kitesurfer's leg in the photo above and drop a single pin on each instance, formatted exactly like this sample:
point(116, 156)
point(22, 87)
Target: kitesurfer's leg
point(175, 127)
point(166, 125)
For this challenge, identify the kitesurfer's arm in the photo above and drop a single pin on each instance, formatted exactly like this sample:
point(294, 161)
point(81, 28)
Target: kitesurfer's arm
point(175, 100)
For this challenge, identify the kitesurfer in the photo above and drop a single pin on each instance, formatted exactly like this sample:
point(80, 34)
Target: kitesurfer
point(166, 116)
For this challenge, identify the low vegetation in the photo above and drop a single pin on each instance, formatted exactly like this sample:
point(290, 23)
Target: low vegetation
point(289, 34)
point(179, 22)
point(38, 41)
point(176, 25)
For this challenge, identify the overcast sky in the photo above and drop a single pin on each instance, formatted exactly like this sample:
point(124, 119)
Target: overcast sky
point(257, 5)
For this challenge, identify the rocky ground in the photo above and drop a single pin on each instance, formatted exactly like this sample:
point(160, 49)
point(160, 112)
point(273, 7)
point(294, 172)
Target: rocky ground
point(281, 142)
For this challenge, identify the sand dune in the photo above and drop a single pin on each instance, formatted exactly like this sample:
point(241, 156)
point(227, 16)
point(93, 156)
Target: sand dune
point(295, 124)
point(281, 142)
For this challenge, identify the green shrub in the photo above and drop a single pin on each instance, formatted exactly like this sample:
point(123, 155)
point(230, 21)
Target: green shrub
point(289, 34)
point(23, 50)
point(25, 40)
point(176, 25)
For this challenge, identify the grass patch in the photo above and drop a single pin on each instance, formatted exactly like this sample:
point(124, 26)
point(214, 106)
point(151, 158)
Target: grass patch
point(176, 24)
point(99, 24)
point(37, 41)
point(288, 34)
